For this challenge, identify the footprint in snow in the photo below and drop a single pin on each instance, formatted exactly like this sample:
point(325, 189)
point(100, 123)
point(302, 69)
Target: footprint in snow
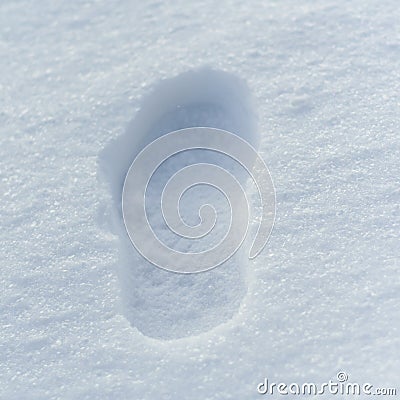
point(162, 304)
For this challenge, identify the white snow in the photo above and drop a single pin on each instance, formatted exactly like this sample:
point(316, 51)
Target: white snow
point(82, 316)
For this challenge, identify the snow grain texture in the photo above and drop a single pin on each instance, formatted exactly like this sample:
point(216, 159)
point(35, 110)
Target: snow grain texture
point(322, 297)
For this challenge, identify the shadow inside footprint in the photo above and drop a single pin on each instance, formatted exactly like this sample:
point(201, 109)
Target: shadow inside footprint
point(159, 303)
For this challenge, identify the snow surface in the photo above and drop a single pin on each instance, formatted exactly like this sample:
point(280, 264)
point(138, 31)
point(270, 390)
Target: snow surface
point(81, 316)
